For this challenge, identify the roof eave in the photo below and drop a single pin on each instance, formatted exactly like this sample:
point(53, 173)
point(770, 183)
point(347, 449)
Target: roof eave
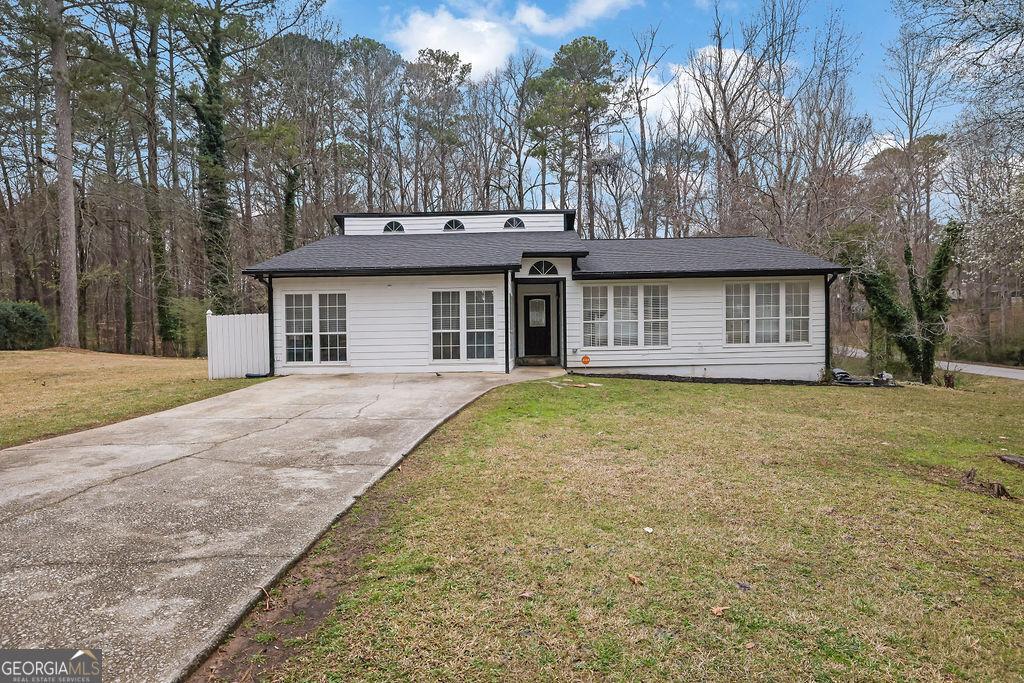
point(354, 272)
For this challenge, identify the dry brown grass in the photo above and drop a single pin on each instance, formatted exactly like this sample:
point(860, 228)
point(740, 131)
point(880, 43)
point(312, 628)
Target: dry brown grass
point(827, 522)
point(44, 393)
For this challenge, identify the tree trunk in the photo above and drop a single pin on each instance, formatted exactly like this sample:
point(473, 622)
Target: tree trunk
point(213, 188)
point(163, 287)
point(64, 149)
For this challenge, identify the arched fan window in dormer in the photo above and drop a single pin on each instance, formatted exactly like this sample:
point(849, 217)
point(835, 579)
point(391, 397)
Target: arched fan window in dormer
point(543, 268)
point(393, 226)
point(454, 224)
point(515, 222)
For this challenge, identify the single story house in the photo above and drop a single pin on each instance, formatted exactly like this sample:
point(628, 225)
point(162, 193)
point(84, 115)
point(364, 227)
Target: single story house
point(492, 290)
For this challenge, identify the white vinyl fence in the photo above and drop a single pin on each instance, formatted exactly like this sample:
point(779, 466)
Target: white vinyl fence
point(237, 345)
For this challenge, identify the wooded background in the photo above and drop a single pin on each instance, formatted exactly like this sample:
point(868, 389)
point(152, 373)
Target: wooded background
point(150, 150)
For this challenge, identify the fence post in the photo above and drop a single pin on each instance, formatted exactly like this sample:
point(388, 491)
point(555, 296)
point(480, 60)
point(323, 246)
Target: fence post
point(209, 343)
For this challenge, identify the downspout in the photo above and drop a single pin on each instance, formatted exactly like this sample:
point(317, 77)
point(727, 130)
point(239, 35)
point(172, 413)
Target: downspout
point(268, 282)
point(829, 279)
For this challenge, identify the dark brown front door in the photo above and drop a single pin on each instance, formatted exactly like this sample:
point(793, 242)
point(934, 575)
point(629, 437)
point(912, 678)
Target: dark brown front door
point(538, 325)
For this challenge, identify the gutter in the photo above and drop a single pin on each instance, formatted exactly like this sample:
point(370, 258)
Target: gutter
point(357, 272)
point(654, 274)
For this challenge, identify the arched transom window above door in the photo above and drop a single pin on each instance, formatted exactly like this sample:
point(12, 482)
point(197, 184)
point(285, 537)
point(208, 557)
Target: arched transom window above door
point(543, 268)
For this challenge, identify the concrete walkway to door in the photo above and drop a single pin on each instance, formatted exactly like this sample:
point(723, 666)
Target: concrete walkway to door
point(150, 537)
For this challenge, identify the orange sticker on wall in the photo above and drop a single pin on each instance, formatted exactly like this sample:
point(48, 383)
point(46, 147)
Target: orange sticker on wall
point(585, 360)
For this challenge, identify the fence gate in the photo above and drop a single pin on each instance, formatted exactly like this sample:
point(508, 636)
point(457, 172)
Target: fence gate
point(237, 345)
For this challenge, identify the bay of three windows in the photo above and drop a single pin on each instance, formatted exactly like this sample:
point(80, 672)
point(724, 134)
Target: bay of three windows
point(755, 314)
point(613, 315)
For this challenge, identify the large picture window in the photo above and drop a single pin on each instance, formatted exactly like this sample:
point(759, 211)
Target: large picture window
point(627, 316)
point(480, 324)
point(298, 328)
point(456, 312)
point(595, 316)
point(445, 325)
point(767, 312)
point(333, 329)
point(798, 311)
point(613, 316)
point(737, 314)
point(655, 315)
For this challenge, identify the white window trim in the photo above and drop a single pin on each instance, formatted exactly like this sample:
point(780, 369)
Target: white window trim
point(525, 274)
point(315, 295)
point(463, 337)
point(782, 315)
point(610, 298)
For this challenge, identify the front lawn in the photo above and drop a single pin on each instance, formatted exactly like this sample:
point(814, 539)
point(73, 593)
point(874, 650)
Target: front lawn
point(663, 531)
point(45, 393)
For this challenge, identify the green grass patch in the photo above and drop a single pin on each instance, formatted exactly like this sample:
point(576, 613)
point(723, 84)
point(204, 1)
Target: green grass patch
point(56, 391)
point(796, 533)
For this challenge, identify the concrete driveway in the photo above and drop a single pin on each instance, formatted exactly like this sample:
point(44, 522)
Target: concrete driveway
point(150, 537)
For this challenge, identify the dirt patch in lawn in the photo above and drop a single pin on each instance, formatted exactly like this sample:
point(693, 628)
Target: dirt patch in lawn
point(294, 608)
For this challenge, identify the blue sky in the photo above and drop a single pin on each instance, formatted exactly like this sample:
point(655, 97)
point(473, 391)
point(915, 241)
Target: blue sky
point(485, 32)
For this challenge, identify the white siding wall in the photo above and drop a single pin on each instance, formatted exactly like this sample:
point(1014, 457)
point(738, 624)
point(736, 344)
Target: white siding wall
point(697, 345)
point(236, 345)
point(434, 224)
point(388, 320)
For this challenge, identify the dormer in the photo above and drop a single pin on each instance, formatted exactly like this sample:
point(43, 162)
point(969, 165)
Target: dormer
point(439, 223)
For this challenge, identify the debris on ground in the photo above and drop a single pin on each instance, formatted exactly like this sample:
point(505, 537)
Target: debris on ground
point(882, 379)
point(995, 489)
point(718, 611)
point(634, 579)
point(743, 586)
point(1013, 460)
point(648, 530)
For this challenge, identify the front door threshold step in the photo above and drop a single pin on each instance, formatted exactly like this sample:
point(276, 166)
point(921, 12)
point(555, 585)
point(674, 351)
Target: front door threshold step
point(537, 360)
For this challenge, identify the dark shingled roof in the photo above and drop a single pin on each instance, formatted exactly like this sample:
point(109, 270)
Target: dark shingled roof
point(696, 257)
point(454, 252)
point(488, 252)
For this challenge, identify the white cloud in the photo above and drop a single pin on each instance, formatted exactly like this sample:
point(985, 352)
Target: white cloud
point(667, 94)
point(878, 143)
point(482, 40)
point(579, 14)
point(682, 97)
